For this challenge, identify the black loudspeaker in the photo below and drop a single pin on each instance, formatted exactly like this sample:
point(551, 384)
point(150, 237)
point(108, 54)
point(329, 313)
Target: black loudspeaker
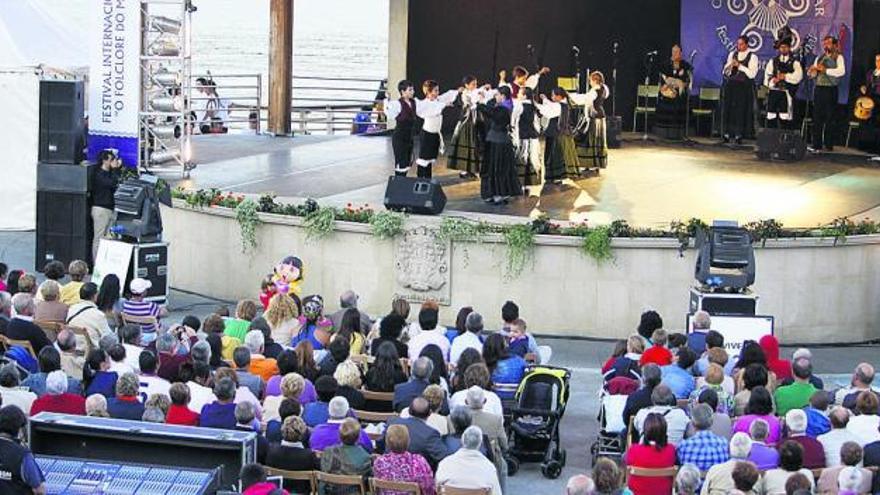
point(782, 144)
point(62, 139)
point(613, 129)
point(64, 227)
point(422, 196)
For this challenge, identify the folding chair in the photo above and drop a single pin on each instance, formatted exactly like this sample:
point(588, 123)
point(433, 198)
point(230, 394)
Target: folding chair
point(342, 480)
point(644, 94)
point(378, 487)
point(707, 95)
point(51, 328)
point(7, 343)
point(296, 476)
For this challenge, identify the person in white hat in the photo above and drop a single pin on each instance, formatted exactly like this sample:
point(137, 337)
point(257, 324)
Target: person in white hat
point(136, 306)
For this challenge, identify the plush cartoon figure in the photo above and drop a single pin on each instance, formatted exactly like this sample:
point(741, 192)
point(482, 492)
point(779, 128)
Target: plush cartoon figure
point(288, 276)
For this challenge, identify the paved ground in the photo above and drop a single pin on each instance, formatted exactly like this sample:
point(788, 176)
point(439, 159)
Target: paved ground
point(583, 357)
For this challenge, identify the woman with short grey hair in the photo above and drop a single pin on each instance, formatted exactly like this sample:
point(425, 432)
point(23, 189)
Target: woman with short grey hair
point(687, 481)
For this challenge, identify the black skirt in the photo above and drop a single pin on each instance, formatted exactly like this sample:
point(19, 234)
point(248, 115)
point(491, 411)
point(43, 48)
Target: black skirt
point(498, 175)
point(429, 146)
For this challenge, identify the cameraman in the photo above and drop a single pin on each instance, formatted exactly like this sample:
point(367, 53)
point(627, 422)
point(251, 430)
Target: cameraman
point(104, 180)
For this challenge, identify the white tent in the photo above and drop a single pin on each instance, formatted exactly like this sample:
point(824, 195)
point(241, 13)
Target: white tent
point(34, 43)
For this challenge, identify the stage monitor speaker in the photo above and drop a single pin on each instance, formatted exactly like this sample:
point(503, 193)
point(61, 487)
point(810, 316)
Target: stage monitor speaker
point(61, 122)
point(782, 144)
point(614, 128)
point(63, 222)
point(414, 195)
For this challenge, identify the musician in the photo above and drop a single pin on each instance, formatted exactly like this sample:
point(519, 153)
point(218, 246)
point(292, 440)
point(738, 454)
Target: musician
point(872, 87)
point(870, 128)
point(675, 77)
point(782, 75)
point(739, 90)
point(828, 70)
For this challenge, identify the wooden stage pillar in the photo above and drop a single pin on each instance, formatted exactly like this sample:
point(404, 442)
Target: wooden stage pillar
point(280, 65)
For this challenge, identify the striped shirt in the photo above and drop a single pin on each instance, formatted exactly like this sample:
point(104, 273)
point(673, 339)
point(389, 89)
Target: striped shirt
point(141, 308)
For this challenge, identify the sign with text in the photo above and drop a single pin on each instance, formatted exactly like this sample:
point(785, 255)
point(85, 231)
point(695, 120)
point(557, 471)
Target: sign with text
point(709, 28)
point(114, 77)
point(738, 329)
point(113, 257)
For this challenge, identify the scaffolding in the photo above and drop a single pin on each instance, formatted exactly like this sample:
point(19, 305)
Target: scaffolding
point(166, 119)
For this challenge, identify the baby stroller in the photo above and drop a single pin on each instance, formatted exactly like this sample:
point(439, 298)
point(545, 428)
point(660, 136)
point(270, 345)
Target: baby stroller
point(611, 440)
point(540, 405)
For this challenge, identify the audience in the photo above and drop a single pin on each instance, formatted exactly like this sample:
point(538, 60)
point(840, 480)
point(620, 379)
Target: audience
point(126, 404)
point(338, 350)
point(796, 395)
point(282, 314)
point(760, 406)
point(21, 474)
point(872, 460)
point(865, 422)
point(131, 341)
point(791, 461)
point(138, 306)
point(713, 380)
point(179, 412)
point(851, 456)
point(96, 406)
point(431, 333)
point(628, 365)
point(5, 310)
point(398, 464)
point(754, 375)
point(608, 478)
point(657, 353)
point(221, 412)
point(197, 377)
point(814, 453)
point(291, 454)
point(49, 308)
point(862, 378)
point(11, 392)
point(70, 292)
point(57, 399)
point(677, 376)
point(245, 420)
point(22, 326)
point(347, 455)
point(349, 300)
point(687, 480)
point(664, 403)
point(49, 360)
point(720, 479)
point(580, 484)
point(780, 367)
point(704, 449)
point(390, 330)
point(467, 467)
point(245, 312)
point(654, 452)
point(313, 327)
point(469, 339)
point(745, 476)
point(170, 359)
point(507, 370)
point(424, 439)
point(349, 330)
point(721, 423)
point(762, 455)
point(817, 414)
point(253, 481)
point(478, 375)
point(289, 362)
point(718, 356)
point(84, 313)
point(242, 358)
point(435, 395)
point(327, 434)
point(97, 379)
point(318, 412)
point(261, 365)
point(386, 372)
point(641, 398)
point(492, 425)
point(148, 381)
point(839, 435)
point(292, 386)
point(701, 323)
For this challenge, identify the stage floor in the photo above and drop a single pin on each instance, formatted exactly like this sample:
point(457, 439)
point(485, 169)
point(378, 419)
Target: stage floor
point(646, 183)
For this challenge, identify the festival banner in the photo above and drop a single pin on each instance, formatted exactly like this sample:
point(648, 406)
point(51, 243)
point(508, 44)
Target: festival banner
point(711, 27)
point(114, 77)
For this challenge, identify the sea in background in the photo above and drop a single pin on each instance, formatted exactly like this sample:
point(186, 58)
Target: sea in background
point(332, 38)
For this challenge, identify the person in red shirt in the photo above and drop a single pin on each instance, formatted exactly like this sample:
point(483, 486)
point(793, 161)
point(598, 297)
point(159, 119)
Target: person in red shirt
point(179, 413)
point(653, 452)
point(782, 367)
point(657, 353)
point(619, 350)
point(57, 400)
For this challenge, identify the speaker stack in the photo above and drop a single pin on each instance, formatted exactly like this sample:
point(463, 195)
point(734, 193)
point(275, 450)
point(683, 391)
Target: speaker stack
point(414, 195)
point(63, 222)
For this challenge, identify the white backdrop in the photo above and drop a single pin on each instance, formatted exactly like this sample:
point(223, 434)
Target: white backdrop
point(32, 41)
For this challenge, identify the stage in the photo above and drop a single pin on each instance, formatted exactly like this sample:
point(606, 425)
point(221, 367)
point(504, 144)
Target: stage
point(647, 183)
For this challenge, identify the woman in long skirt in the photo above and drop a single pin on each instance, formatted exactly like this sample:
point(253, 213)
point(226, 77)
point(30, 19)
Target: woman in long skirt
point(526, 130)
point(466, 146)
point(498, 175)
point(560, 154)
point(597, 144)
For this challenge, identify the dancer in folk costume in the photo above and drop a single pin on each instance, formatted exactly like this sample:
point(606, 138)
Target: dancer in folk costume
point(560, 153)
point(466, 146)
point(526, 133)
point(521, 79)
point(403, 112)
point(498, 175)
point(431, 111)
point(595, 151)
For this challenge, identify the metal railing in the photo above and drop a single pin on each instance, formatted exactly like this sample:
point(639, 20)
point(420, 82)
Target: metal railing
point(319, 105)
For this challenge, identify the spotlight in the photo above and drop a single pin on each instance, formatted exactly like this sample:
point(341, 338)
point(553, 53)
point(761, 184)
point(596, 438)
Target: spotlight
point(166, 131)
point(166, 78)
point(165, 48)
point(167, 104)
point(165, 24)
point(163, 156)
point(726, 258)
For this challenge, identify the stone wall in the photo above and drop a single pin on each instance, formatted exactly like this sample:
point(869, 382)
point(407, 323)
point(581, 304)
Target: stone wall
point(818, 292)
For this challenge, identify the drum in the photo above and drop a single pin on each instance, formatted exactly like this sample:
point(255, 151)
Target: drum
point(864, 108)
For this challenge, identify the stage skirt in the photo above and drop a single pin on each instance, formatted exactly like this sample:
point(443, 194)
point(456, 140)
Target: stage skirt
point(498, 174)
point(465, 147)
point(593, 149)
point(529, 162)
point(429, 146)
point(562, 160)
point(671, 111)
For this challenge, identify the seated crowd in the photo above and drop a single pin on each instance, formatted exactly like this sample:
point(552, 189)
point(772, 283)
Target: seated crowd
point(393, 398)
point(699, 422)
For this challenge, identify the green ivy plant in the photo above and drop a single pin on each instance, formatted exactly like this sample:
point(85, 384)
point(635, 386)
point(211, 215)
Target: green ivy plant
point(460, 230)
point(387, 224)
point(318, 223)
point(520, 242)
point(597, 244)
point(248, 221)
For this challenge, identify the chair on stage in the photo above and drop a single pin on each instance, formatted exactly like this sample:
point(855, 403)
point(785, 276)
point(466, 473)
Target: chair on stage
point(646, 102)
point(853, 124)
point(709, 101)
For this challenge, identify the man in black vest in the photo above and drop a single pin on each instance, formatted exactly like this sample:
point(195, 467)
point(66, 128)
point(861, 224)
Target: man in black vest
point(782, 76)
point(19, 472)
